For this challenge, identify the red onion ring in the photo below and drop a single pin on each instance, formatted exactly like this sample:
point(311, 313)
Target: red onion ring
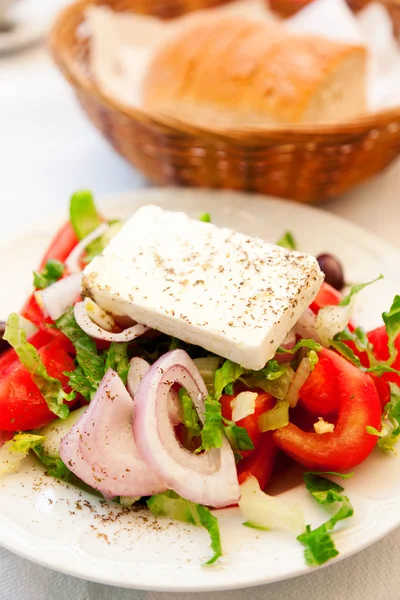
point(137, 371)
point(98, 333)
point(73, 261)
point(58, 297)
point(100, 449)
point(209, 478)
point(288, 343)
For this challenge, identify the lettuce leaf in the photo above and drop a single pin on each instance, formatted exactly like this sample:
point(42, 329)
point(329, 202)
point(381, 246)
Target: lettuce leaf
point(319, 546)
point(54, 465)
point(359, 339)
point(50, 388)
point(117, 359)
point(392, 323)
point(390, 431)
point(169, 504)
point(226, 375)
point(287, 241)
point(356, 289)
point(238, 437)
point(83, 213)
point(212, 432)
point(276, 417)
point(213, 429)
point(309, 344)
point(87, 378)
point(190, 416)
point(15, 450)
point(205, 217)
point(51, 273)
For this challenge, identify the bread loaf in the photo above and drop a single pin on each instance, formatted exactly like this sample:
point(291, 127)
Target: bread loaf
point(226, 70)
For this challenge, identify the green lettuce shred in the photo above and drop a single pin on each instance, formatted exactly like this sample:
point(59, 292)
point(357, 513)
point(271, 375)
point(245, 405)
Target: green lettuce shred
point(356, 289)
point(226, 375)
point(276, 417)
point(390, 431)
point(169, 504)
point(54, 465)
point(287, 241)
point(87, 377)
point(392, 323)
point(50, 388)
point(117, 359)
point(212, 432)
point(15, 450)
point(83, 213)
point(238, 437)
point(318, 543)
point(205, 217)
point(190, 417)
point(51, 273)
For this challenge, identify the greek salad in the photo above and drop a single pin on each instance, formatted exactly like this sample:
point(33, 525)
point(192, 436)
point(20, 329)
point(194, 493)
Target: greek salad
point(171, 363)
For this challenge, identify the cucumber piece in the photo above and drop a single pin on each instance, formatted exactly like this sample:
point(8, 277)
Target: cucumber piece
point(55, 432)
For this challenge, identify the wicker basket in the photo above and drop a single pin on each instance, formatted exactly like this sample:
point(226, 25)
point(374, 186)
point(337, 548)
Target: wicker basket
point(307, 163)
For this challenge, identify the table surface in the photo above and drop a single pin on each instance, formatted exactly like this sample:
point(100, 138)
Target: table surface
point(48, 150)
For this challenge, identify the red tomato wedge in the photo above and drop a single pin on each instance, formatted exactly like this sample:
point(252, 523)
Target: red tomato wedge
point(350, 443)
point(9, 357)
point(22, 407)
point(319, 394)
point(260, 461)
point(326, 296)
point(32, 311)
point(62, 245)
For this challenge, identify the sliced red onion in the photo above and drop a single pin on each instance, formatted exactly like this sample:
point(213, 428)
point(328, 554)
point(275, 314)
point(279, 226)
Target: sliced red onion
point(303, 371)
point(288, 343)
point(100, 449)
point(306, 326)
point(98, 315)
point(137, 371)
point(92, 329)
point(73, 261)
point(209, 478)
point(58, 297)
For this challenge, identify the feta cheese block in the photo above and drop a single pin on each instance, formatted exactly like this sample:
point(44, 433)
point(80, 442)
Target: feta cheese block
point(234, 295)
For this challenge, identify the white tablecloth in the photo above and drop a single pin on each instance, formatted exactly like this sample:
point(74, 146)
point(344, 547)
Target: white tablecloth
point(48, 150)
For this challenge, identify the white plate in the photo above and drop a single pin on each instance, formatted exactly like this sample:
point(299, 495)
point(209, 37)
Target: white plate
point(67, 530)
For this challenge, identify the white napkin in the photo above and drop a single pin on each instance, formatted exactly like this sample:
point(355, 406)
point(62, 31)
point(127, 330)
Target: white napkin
point(371, 28)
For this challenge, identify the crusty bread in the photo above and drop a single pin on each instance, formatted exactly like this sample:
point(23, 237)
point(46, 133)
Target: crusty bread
point(226, 70)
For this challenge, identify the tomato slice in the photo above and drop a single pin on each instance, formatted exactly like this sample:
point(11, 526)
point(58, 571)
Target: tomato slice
point(319, 394)
point(350, 443)
point(22, 407)
point(62, 245)
point(32, 311)
point(327, 296)
point(260, 462)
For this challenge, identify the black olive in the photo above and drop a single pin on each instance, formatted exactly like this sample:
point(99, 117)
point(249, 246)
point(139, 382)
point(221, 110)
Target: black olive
point(333, 270)
point(3, 344)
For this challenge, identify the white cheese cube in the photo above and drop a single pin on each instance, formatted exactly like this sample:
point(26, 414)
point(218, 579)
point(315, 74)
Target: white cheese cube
point(233, 295)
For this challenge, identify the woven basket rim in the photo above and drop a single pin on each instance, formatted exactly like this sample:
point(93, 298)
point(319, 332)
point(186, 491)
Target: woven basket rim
point(291, 132)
